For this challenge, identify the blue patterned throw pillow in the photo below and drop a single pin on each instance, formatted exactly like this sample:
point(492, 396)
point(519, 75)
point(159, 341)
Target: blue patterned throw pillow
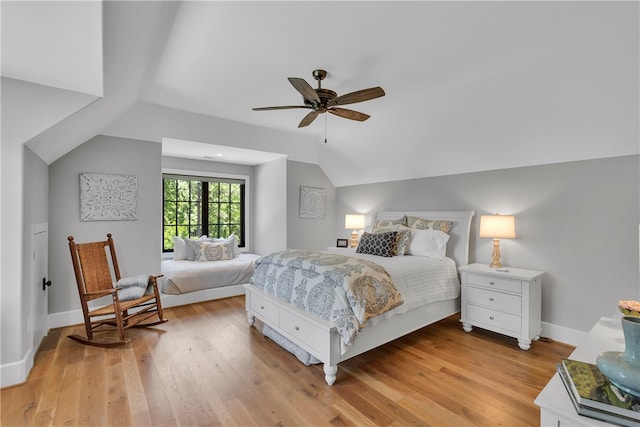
point(380, 244)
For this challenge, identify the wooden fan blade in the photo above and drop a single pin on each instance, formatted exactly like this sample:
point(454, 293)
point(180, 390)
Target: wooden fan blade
point(357, 96)
point(305, 89)
point(308, 119)
point(349, 114)
point(284, 107)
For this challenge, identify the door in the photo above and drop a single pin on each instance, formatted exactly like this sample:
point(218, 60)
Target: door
point(39, 288)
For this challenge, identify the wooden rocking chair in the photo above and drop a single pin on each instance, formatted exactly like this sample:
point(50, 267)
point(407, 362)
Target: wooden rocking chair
point(94, 278)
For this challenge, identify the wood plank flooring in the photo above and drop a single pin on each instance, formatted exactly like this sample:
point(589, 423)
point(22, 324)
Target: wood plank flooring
point(207, 367)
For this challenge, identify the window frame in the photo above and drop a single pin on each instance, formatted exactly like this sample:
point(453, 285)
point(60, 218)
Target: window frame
point(208, 174)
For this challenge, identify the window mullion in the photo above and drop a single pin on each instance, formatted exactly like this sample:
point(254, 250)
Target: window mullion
point(205, 207)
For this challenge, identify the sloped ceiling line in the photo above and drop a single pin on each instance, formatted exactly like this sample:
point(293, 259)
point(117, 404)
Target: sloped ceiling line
point(470, 85)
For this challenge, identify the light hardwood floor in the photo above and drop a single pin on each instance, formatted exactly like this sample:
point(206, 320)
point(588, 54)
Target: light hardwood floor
point(207, 367)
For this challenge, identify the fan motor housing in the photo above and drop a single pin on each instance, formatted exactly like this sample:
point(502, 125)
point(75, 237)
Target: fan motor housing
point(325, 96)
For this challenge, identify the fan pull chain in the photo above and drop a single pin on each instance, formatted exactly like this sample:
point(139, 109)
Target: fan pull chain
point(325, 128)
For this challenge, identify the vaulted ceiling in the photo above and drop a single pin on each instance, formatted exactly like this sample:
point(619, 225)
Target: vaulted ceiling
point(469, 86)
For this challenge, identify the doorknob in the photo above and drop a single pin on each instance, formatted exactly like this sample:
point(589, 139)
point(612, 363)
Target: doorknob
point(45, 283)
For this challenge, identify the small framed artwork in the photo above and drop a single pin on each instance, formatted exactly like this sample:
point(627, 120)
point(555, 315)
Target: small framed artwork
point(342, 243)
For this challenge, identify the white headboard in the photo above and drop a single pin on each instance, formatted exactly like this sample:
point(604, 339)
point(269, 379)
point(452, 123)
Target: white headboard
point(458, 245)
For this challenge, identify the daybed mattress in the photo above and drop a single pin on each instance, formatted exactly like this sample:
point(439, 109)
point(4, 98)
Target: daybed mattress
point(189, 276)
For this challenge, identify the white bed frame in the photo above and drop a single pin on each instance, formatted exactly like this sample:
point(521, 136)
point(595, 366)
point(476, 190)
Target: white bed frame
point(320, 338)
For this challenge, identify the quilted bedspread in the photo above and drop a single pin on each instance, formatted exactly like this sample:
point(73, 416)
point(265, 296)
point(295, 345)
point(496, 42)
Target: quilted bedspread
point(343, 289)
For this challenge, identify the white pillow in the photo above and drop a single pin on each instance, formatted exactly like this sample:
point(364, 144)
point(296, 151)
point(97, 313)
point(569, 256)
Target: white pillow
point(430, 243)
point(192, 248)
point(179, 248)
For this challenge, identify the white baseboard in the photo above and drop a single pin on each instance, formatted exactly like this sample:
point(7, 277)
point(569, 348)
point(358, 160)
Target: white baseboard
point(65, 318)
point(563, 334)
point(16, 372)
point(75, 317)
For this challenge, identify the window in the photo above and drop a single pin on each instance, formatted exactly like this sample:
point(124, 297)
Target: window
point(196, 205)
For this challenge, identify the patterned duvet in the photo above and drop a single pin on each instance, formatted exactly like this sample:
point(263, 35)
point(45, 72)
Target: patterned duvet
point(345, 290)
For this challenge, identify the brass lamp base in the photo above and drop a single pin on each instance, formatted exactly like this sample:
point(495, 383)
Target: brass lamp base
point(495, 261)
point(354, 239)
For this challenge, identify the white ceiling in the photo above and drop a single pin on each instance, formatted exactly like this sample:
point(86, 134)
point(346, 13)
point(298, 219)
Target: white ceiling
point(469, 85)
point(41, 44)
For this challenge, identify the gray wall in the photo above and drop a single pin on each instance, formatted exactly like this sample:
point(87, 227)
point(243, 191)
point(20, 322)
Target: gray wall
point(576, 221)
point(309, 233)
point(12, 228)
point(138, 242)
point(36, 189)
point(270, 222)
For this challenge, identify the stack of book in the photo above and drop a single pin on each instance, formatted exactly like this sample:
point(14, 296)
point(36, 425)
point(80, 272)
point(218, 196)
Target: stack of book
point(594, 396)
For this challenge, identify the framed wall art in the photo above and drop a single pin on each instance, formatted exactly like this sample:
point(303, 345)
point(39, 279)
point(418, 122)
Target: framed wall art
point(312, 202)
point(108, 197)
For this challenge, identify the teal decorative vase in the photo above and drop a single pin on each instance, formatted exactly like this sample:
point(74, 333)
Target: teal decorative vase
point(623, 369)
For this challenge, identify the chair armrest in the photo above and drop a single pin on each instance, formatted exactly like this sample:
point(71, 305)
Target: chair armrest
point(102, 293)
point(154, 279)
point(154, 285)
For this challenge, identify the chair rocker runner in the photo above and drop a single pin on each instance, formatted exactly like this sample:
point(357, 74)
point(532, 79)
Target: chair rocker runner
point(93, 273)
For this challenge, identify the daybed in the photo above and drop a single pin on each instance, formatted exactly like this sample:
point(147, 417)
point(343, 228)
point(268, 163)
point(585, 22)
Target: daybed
point(327, 340)
point(188, 279)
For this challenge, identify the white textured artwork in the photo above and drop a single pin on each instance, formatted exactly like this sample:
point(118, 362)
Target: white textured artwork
point(312, 202)
point(108, 197)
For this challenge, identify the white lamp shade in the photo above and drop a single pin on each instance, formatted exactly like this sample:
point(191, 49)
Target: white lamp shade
point(497, 226)
point(354, 222)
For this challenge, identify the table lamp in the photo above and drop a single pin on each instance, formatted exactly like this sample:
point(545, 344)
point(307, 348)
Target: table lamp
point(497, 227)
point(354, 223)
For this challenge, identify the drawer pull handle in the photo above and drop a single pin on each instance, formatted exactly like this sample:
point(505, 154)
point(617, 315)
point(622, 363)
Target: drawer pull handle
point(297, 328)
point(491, 317)
point(492, 283)
point(491, 299)
point(262, 307)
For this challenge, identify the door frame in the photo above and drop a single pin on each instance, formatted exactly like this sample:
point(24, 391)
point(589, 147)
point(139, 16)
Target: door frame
point(35, 290)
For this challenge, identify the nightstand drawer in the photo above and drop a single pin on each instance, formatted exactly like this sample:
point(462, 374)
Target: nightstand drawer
point(264, 308)
point(494, 318)
point(493, 282)
point(303, 331)
point(507, 302)
point(494, 300)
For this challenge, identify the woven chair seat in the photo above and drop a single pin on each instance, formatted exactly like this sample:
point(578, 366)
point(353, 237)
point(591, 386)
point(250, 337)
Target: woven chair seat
point(124, 305)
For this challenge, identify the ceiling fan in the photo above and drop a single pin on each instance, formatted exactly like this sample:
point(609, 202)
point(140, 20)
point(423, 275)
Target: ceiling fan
point(325, 100)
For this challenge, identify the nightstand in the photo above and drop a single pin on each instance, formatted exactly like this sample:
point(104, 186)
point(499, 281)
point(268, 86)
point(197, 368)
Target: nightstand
point(507, 302)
